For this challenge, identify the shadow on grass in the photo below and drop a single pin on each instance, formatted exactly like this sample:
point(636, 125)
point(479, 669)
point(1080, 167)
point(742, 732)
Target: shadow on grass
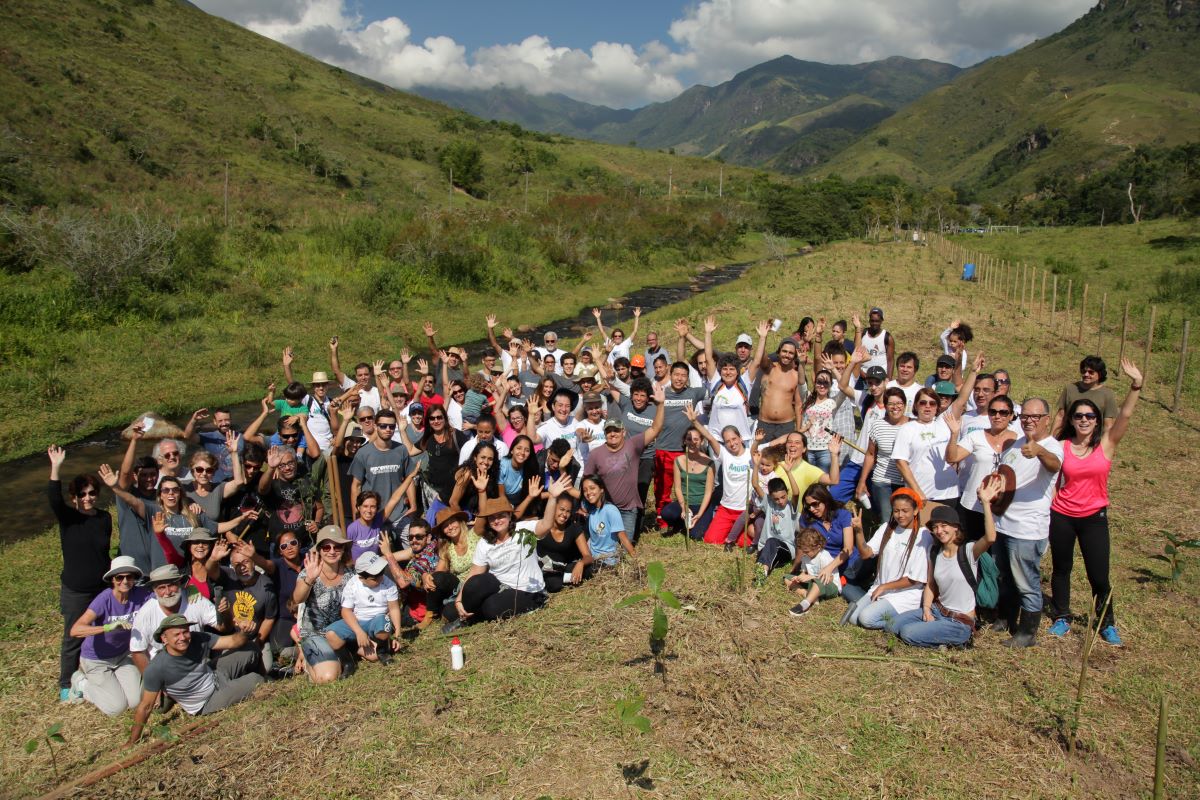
point(635, 774)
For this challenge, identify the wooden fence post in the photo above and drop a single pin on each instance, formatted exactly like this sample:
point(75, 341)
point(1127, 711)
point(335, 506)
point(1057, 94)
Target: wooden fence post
point(1124, 334)
point(1042, 298)
point(1082, 315)
point(1187, 327)
point(1067, 310)
point(1149, 342)
point(1022, 306)
point(1054, 305)
point(1100, 327)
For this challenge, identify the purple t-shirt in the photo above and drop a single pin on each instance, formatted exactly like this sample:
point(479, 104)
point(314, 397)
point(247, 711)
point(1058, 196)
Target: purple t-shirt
point(619, 470)
point(364, 538)
point(107, 608)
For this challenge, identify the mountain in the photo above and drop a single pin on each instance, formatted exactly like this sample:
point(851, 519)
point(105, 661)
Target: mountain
point(158, 104)
point(786, 113)
point(1126, 73)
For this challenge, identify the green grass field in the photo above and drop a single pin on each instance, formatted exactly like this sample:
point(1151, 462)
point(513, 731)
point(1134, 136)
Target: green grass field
point(744, 708)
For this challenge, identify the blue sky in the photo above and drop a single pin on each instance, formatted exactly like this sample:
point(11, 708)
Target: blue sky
point(624, 53)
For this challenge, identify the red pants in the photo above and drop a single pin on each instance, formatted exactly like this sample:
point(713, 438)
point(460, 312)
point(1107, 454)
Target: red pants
point(664, 479)
point(722, 525)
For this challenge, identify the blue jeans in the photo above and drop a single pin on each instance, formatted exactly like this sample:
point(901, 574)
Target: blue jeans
point(820, 458)
point(672, 514)
point(881, 499)
point(774, 553)
point(1019, 562)
point(372, 627)
point(629, 518)
point(912, 629)
point(873, 614)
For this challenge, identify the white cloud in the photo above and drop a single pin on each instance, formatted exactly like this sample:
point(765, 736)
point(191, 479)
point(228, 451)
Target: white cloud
point(713, 40)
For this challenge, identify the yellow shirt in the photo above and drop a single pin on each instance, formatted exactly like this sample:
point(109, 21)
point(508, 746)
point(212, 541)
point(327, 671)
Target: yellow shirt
point(803, 476)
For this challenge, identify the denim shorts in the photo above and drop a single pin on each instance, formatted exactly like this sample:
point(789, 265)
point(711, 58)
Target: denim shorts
point(379, 624)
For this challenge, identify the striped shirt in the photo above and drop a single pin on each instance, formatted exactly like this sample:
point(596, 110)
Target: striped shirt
point(883, 433)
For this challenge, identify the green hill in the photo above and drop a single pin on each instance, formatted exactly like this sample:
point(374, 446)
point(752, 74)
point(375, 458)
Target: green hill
point(1124, 74)
point(784, 114)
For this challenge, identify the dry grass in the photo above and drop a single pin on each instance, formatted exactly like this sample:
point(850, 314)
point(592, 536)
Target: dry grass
point(743, 709)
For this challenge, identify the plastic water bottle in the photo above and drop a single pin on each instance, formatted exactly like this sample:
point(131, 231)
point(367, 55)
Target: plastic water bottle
point(456, 654)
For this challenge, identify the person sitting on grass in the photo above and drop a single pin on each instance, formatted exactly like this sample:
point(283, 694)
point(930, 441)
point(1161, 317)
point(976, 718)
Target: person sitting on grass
point(817, 577)
point(505, 577)
point(947, 612)
point(777, 542)
point(607, 535)
point(181, 671)
point(562, 546)
point(412, 569)
point(902, 567)
point(370, 611)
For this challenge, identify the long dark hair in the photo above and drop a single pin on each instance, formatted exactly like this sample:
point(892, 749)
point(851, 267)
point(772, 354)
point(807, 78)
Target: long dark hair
point(493, 485)
point(530, 468)
point(428, 433)
point(1068, 428)
point(818, 493)
point(813, 397)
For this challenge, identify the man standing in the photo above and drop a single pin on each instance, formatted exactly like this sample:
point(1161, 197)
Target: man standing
point(879, 344)
point(214, 441)
point(678, 397)
point(1092, 374)
point(781, 387)
point(1023, 529)
point(181, 670)
point(368, 394)
point(617, 464)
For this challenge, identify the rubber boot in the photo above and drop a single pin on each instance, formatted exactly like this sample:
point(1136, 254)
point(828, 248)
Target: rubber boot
point(1026, 630)
point(1006, 617)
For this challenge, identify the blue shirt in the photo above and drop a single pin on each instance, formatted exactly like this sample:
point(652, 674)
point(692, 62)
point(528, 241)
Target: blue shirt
point(604, 524)
point(511, 478)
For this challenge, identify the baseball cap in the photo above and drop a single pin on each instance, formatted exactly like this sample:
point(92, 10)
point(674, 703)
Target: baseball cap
point(744, 338)
point(877, 310)
point(945, 388)
point(613, 424)
point(945, 361)
point(371, 563)
point(416, 408)
point(638, 361)
point(875, 374)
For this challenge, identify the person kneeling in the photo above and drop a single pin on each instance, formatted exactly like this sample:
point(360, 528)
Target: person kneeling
point(370, 611)
point(947, 612)
point(181, 670)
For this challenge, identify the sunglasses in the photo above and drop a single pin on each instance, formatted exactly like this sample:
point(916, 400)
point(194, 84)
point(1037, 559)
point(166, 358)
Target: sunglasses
point(416, 536)
point(999, 412)
point(292, 543)
point(813, 504)
point(366, 418)
point(124, 578)
point(203, 470)
point(436, 417)
point(289, 436)
point(329, 547)
point(1082, 415)
point(824, 383)
point(169, 490)
point(927, 403)
point(386, 425)
point(1003, 381)
point(89, 493)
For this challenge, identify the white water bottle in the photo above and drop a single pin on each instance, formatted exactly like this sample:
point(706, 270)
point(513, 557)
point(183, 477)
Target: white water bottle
point(456, 654)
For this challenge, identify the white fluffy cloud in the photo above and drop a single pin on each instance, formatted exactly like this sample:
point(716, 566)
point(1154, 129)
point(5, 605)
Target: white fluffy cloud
point(712, 40)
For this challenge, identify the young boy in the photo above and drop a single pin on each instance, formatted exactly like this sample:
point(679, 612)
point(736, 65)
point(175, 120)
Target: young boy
point(777, 541)
point(370, 611)
point(813, 559)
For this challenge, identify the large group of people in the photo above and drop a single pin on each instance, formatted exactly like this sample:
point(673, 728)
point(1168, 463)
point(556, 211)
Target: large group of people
point(432, 491)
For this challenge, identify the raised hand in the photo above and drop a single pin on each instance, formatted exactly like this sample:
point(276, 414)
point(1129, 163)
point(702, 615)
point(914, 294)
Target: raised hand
point(377, 367)
point(232, 441)
point(856, 518)
point(312, 564)
point(820, 326)
point(710, 323)
point(681, 327)
point(404, 355)
point(480, 480)
point(763, 328)
point(856, 320)
point(422, 366)
point(428, 328)
point(760, 436)
point(954, 323)
point(596, 314)
point(136, 432)
point(333, 343)
point(835, 445)
point(560, 485)
point(690, 412)
point(1130, 369)
point(221, 550)
point(158, 523)
point(443, 355)
point(199, 414)
point(953, 422)
point(106, 472)
point(57, 456)
point(827, 362)
point(979, 361)
point(275, 456)
point(859, 355)
point(507, 333)
point(288, 356)
point(535, 485)
point(989, 488)
point(660, 394)
point(637, 311)
point(490, 320)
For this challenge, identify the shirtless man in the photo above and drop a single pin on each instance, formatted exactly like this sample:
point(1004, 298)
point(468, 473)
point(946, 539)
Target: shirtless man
point(782, 381)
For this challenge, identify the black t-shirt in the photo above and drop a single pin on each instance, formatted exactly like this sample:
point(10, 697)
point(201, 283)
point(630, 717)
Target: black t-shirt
point(256, 601)
point(442, 463)
point(288, 505)
point(564, 552)
point(254, 531)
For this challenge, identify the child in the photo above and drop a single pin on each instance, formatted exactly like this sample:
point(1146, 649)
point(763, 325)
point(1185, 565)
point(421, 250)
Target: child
point(292, 404)
point(902, 546)
point(777, 541)
point(370, 611)
point(813, 560)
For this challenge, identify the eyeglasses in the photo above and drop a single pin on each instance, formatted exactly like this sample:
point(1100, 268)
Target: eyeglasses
point(416, 536)
point(89, 493)
point(386, 425)
point(824, 383)
point(367, 418)
point(814, 504)
point(999, 412)
point(927, 403)
point(1079, 416)
point(170, 455)
point(1032, 417)
point(1003, 381)
point(283, 464)
point(436, 417)
point(329, 547)
point(124, 578)
point(203, 470)
point(292, 543)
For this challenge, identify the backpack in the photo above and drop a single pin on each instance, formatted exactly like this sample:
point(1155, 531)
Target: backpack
point(987, 584)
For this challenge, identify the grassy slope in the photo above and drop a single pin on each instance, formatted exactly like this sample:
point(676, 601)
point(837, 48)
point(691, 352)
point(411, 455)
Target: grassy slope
point(1123, 75)
point(744, 710)
point(1131, 263)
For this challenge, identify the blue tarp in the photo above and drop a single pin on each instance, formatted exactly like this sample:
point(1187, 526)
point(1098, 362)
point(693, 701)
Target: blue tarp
point(968, 272)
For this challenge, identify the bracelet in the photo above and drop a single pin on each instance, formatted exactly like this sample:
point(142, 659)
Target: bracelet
point(1135, 388)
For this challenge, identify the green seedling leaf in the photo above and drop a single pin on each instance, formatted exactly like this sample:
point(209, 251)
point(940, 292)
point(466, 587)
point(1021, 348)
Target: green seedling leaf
point(655, 574)
point(53, 729)
point(659, 631)
point(1160, 557)
point(57, 738)
point(31, 745)
point(641, 723)
point(668, 598)
point(1170, 550)
point(1172, 538)
point(633, 599)
point(1190, 543)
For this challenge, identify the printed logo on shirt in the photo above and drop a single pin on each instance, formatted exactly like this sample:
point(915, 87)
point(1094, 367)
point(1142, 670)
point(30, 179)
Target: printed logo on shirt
point(244, 604)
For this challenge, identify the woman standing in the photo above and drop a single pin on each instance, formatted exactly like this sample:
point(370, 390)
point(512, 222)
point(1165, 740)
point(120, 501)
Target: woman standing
point(1080, 509)
point(920, 452)
point(879, 472)
point(114, 683)
point(734, 459)
point(692, 509)
point(987, 446)
point(202, 491)
point(85, 536)
point(817, 415)
point(319, 589)
point(521, 477)
point(441, 444)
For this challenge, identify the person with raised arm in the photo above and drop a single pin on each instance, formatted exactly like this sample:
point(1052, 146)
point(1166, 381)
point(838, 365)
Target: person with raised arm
point(783, 385)
point(139, 477)
point(618, 344)
point(361, 382)
point(729, 389)
point(618, 462)
point(1080, 508)
point(734, 459)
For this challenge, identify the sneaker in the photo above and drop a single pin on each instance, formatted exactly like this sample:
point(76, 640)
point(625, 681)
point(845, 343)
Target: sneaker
point(1060, 628)
point(729, 547)
point(799, 610)
point(64, 695)
point(1110, 636)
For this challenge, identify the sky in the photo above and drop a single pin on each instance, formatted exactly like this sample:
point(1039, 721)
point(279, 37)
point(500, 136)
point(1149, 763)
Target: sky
point(625, 54)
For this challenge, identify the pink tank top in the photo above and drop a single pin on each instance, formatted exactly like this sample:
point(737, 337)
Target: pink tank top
point(1083, 483)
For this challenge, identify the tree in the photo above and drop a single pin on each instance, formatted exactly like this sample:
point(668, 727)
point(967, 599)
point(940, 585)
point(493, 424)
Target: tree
point(462, 164)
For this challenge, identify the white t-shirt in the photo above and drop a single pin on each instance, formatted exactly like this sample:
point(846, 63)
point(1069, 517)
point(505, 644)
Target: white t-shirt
point(369, 398)
point(469, 448)
point(813, 566)
point(1028, 516)
point(876, 347)
point(954, 592)
point(552, 429)
point(557, 352)
point(198, 610)
point(318, 422)
point(735, 479)
point(512, 563)
point(892, 566)
point(620, 350)
point(983, 461)
point(727, 406)
point(923, 446)
point(368, 603)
